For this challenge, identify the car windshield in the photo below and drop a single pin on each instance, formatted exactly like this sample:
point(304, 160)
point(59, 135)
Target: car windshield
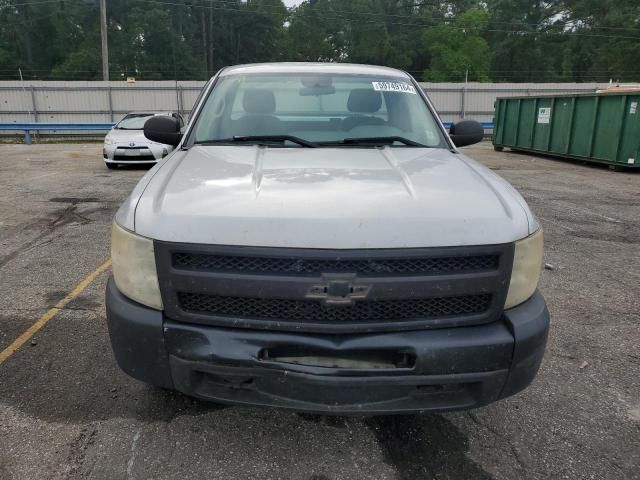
point(326, 109)
point(134, 121)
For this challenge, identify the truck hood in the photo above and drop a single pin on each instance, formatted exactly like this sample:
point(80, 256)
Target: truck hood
point(341, 198)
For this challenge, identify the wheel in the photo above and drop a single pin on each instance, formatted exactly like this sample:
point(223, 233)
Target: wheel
point(111, 166)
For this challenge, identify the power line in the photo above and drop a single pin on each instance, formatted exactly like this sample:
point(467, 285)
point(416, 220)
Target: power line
point(42, 17)
point(40, 2)
point(344, 14)
point(298, 11)
point(413, 24)
point(484, 70)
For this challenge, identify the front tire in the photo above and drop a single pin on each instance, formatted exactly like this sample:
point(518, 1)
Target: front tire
point(111, 166)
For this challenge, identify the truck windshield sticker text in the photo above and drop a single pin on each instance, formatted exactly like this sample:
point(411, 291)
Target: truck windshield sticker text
point(394, 87)
point(544, 115)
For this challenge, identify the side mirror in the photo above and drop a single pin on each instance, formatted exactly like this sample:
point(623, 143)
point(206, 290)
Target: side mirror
point(466, 132)
point(163, 129)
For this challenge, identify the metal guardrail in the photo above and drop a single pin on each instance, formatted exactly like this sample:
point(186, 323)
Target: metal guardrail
point(29, 127)
point(485, 125)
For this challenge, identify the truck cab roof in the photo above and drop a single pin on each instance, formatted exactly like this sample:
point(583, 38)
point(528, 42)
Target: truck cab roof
point(313, 67)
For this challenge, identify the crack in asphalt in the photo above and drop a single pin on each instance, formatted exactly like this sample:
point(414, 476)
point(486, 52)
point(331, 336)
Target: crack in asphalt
point(132, 457)
point(78, 451)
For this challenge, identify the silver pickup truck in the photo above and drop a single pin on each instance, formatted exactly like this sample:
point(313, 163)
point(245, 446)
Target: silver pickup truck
point(317, 242)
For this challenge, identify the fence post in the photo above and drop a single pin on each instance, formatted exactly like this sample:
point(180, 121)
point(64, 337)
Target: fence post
point(27, 137)
point(110, 102)
point(181, 101)
point(177, 97)
point(33, 103)
point(464, 94)
point(463, 98)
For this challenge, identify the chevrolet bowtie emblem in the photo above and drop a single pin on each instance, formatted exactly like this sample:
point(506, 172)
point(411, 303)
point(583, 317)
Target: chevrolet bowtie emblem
point(338, 290)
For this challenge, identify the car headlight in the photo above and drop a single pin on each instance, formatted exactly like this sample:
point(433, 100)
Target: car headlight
point(108, 140)
point(134, 267)
point(527, 265)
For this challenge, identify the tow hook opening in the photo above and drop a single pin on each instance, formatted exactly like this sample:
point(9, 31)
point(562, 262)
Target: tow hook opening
point(359, 360)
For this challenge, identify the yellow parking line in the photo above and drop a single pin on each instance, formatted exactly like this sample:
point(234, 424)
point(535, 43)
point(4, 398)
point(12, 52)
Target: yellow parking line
point(44, 319)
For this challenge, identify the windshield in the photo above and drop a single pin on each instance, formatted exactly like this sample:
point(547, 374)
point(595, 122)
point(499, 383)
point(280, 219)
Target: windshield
point(324, 109)
point(134, 121)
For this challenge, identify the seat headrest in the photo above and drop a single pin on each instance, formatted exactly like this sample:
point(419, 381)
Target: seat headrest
point(259, 101)
point(364, 100)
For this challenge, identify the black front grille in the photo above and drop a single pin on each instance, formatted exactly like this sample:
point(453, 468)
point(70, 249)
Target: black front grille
point(311, 266)
point(137, 158)
point(316, 311)
point(333, 291)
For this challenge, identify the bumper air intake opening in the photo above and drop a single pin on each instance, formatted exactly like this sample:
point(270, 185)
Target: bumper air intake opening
point(361, 360)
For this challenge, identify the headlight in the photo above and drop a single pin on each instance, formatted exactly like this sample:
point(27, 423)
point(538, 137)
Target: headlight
point(134, 267)
point(108, 140)
point(527, 265)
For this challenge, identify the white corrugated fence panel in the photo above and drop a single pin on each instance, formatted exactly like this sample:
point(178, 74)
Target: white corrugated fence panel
point(85, 101)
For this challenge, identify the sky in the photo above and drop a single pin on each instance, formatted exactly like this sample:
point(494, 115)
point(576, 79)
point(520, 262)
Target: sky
point(292, 3)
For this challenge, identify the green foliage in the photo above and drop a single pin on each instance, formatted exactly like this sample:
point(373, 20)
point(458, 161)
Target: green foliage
point(317, 32)
point(83, 64)
point(526, 40)
point(457, 48)
point(491, 40)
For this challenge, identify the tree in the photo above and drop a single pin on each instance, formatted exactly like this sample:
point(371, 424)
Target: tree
point(607, 40)
point(317, 32)
point(457, 48)
point(527, 40)
point(499, 40)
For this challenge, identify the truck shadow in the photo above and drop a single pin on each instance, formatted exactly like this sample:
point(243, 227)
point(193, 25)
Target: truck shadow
point(416, 446)
point(425, 447)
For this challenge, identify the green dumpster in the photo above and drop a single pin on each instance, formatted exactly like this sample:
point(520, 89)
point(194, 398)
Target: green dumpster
point(602, 128)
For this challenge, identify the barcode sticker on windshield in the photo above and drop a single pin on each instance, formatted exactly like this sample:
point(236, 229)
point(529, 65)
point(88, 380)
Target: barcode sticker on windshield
point(394, 87)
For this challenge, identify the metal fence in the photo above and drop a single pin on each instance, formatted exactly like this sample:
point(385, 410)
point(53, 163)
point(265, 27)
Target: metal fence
point(102, 102)
point(475, 100)
point(98, 102)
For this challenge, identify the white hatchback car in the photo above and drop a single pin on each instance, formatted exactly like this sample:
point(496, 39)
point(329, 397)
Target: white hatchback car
point(126, 143)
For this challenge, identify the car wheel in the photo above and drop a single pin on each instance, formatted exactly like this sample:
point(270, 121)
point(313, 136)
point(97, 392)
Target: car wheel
point(111, 166)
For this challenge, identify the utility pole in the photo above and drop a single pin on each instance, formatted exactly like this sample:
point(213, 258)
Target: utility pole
point(103, 38)
point(210, 50)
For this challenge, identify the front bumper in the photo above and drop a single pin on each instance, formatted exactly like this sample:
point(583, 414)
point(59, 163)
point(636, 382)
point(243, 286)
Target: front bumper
point(116, 153)
point(452, 368)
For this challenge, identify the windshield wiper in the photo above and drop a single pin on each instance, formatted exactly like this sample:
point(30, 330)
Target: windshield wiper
point(378, 141)
point(261, 138)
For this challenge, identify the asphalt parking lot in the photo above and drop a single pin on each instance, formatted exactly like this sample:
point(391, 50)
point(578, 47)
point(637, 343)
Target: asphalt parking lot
point(66, 411)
